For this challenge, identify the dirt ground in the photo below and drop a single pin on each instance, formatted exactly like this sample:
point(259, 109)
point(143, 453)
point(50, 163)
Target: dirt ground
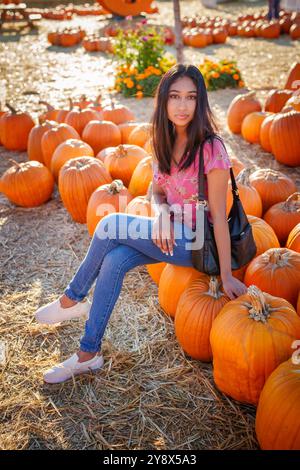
point(149, 394)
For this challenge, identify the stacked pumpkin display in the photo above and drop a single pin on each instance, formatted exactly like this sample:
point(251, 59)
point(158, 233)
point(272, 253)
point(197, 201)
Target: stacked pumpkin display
point(277, 127)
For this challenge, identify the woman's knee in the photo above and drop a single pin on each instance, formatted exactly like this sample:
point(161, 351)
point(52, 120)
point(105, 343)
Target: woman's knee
point(107, 226)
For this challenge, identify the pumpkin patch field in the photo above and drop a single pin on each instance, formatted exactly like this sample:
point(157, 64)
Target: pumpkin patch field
point(185, 368)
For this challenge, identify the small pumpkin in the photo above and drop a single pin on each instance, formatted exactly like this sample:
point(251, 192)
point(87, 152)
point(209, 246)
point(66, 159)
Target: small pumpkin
point(155, 270)
point(264, 133)
point(249, 196)
point(34, 146)
point(141, 205)
point(276, 100)
point(15, 127)
point(101, 134)
point(79, 118)
point(106, 199)
point(51, 139)
point(27, 184)
point(117, 113)
point(293, 76)
point(121, 161)
point(251, 126)
point(249, 338)
point(71, 148)
point(293, 241)
point(140, 134)
point(126, 128)
point(284, 138)
point(141, 177)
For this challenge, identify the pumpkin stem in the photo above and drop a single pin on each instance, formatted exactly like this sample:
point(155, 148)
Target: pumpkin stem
point(13, 110)
point(49, 106)
point(98, 99)
point(243, 176)
point(260, 309)
point(292, 202)
point(14, 162)
point(214, 287)
point(122, 152)
point(71, 103)
point(115, 187)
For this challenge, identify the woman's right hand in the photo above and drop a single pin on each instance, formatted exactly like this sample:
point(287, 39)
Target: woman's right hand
point(163, 233)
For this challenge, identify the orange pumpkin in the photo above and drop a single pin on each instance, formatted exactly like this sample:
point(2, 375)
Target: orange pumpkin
point(173, 282)
point(283, 216)
point(237, 165)
point(239, 108)
point(101, 134)
point(249, 196)
point(118, 113)
point(27, 184)
point(141, 177)
point(15, 127)
point(293, 241)
point(50, 114)
point(155, 271)
point(249, 338)
point(251, 126)
point(121, 161)
point(264, 236)
point(126, 128)
point(277, 271)
point(293, 76)
point(34, 146)
point(276, 100)
point(51, 139)
point(284, 138)
point(278, 411)
point(295, 31)
point(71, 148)
point(141, 205)
point(264, 133)
point(140, 135)
point(197, 308)
point(106, 199)
point(78, 179)
point(293, 102)
point(273, 186)
point(79, 118)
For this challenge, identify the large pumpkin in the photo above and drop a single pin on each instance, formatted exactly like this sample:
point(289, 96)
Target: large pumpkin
point(78, 179)
point(15, 127)
point(264, 236)
point(155, 271)
point(273, 186)
point(284, 138)
point(197, 308)
point(173, 281)
point(277, 271)
point(101, 134)
point(106, 199)
point(34, 148)
point(141, 177)
point(121, 161)
point(249, 338)
point(27, 184)
point(53, 137)
point(277, 421)
point(239, 108)
point(71, 148)
point(283, 216)
point(293, 241)
point(249, 196)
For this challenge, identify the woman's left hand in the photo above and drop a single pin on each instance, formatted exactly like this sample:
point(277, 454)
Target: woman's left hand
point(233, 287)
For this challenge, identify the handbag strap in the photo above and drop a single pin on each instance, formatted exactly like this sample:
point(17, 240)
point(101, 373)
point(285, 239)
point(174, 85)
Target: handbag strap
point(201, 195)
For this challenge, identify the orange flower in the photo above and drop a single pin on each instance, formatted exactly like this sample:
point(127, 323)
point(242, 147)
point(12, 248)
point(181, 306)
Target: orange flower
point(236, 76)
point(129, 83)
point(139, 94)
point(215, 75)
point(139, 87)
point(241, 83)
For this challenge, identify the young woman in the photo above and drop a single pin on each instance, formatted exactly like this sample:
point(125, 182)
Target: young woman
point(182, 119)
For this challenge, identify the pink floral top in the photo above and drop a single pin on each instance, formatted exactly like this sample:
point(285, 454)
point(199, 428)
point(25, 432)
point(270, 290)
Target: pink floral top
point(181, 187)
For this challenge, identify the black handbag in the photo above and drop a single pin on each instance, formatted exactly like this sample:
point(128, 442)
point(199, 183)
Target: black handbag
point(243, 247)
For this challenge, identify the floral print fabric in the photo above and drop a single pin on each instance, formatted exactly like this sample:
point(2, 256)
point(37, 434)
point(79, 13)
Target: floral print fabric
point(181, 187)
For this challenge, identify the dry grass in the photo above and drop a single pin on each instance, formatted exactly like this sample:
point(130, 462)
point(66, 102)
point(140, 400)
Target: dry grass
point(149, 394)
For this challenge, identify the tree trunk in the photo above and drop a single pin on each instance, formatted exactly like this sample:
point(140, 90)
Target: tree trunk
point(178, 32)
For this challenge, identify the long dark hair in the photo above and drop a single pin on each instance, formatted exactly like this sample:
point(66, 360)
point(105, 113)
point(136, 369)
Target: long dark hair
point(201, 127)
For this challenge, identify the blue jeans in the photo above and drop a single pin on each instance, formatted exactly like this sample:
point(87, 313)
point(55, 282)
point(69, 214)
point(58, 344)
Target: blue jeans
point(274, 7)
point(109, 259)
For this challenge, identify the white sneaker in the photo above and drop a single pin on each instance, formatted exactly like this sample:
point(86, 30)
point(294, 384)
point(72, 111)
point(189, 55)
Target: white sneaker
point(54, 313)
point(71, 367)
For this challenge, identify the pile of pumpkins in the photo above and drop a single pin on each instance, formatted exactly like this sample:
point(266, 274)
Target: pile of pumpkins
point(97, 43)
point(277, 127)
point(81, 149)
point(250, 25)
point(113, 30)
point(67, 37)
point(63, 12)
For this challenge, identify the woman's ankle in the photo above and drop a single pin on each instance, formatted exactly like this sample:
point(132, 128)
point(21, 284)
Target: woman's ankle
point(66, 302)
point(85, 356)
